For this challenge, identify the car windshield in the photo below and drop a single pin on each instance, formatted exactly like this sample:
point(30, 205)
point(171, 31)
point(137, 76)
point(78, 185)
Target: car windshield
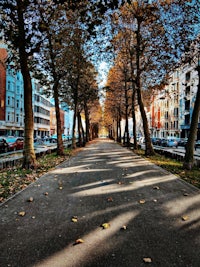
point(10, 139)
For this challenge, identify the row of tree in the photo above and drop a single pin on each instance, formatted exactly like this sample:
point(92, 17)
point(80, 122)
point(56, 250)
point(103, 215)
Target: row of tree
point(49, 37)
point(47, 40)
point(152, 39)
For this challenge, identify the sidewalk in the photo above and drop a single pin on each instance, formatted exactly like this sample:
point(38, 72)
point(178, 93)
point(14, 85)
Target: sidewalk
point(152, 217)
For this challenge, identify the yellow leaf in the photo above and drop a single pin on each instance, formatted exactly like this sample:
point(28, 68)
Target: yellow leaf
point(185, 218)
point(147, 260)
point(142, 201)
point(74, 219)
point(22, 213)
point(105, 225)
point(79, 241)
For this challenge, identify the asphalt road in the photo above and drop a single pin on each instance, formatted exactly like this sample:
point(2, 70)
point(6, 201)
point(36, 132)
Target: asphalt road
point(151, 217)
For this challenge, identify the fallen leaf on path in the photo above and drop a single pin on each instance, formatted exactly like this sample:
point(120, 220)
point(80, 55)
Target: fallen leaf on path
point(74, 219)
point(60, 187)
point(124, 227)
point(156, 187)
point(142, 201)
point(147, 260)
point(22, 213)
point(78, 241)
point(109, 199)
point(105, 225)
point(30, 199)
point(185, 218)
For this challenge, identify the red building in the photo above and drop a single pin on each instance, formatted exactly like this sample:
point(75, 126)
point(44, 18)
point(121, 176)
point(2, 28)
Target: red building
point(3, 56)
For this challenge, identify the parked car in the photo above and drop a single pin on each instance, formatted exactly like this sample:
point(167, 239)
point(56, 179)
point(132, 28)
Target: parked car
point(3, 145)
point(182, 142)
point(64, 137)
point(169, 142)
point(197, 144)
point(156, 141)
point(20, 143)
point(14, 143)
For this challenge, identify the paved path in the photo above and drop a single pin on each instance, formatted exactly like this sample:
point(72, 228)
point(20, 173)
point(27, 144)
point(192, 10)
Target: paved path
point(104, 183)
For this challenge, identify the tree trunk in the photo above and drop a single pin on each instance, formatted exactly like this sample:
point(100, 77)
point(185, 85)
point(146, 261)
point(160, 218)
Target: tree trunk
point(133, 117)
point(148, 144)
point(80, 140)
point(189, 154)
point(74, 126)
point(60, 147)
point(126, 133)
point(29, 159)
point(87, 122)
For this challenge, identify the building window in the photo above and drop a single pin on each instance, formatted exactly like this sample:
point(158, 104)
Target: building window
point(187, 105)
point(8, 116)
point(9, 85)
point(187, 77)
point(187, 91)
point(8, 101)
point(187, 119)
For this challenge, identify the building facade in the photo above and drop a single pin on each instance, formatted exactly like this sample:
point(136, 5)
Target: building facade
point(171, 108)
point(12, 102)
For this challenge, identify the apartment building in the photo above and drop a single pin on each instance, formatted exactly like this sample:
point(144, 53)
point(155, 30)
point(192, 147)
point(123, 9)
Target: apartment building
point(3, 55)
point(188, 89)
point(41, 110)
point(171, 108)
point(12, 101)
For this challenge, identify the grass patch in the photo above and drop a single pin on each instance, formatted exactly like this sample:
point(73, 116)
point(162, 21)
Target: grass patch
point(12, 180)
point(175, 167)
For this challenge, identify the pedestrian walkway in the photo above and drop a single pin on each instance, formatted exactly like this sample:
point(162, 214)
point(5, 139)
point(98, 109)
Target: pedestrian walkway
point(104, 207)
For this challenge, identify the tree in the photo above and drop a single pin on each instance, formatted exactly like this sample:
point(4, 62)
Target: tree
point(114, 104)
point(21, 32)
point(189, 155)
point(182, 18)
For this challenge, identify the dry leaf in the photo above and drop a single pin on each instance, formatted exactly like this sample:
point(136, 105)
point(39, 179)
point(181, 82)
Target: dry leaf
point(142, 201)
point(185, 194)
point(105, 225)
point(74, 219)
point(30, 199)
point(124, 227)
point(147, 260)
point(110, 199)
point(60, 187)
point(22, 213)
point(46, 193)
point(185, 218)
point(156, 187)
point(78, 241)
